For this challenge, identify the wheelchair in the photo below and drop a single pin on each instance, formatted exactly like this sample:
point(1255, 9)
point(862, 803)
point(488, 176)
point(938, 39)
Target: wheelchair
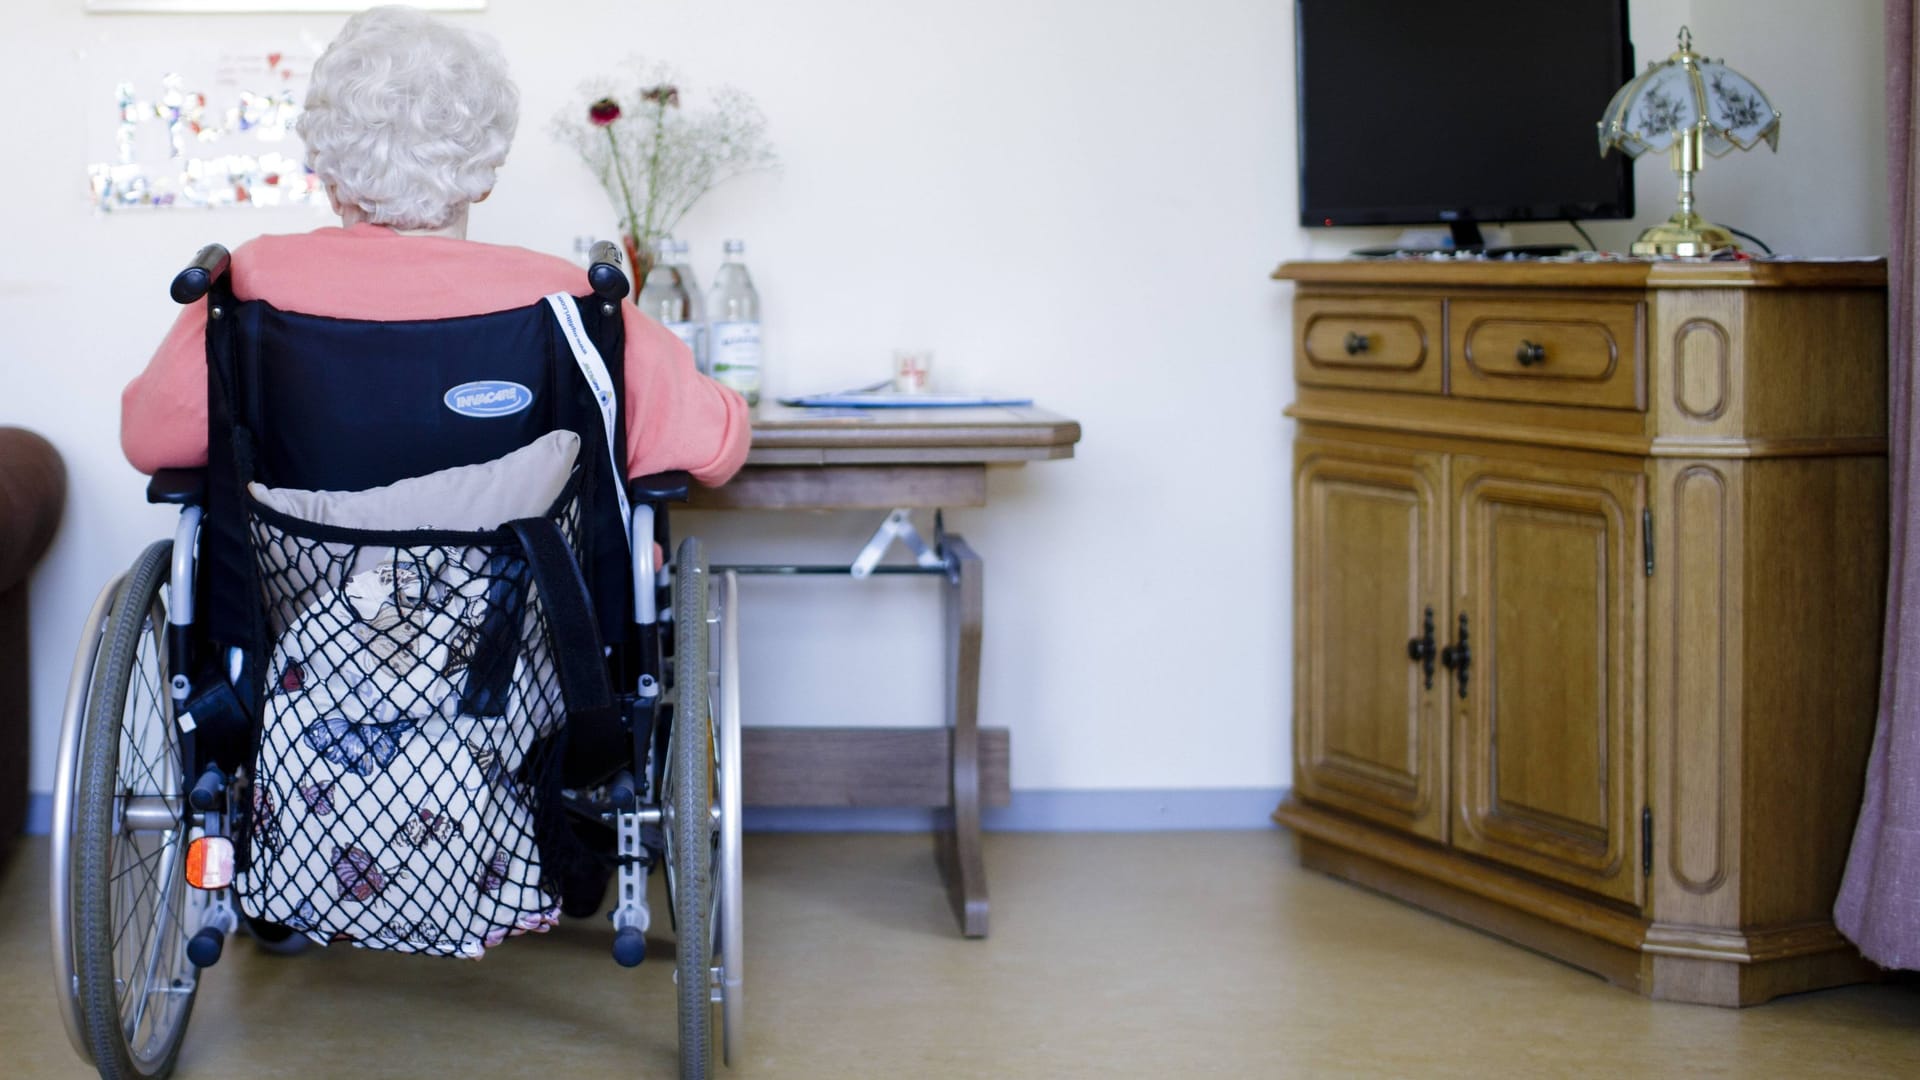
point(165, 818)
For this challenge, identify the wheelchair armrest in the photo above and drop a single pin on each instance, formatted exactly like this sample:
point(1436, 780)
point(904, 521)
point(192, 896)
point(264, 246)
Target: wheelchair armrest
point(207, 267)
point(659, 487)
point(603, 272)
point(180, 487)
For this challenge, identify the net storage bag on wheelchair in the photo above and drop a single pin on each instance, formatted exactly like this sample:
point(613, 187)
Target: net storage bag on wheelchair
point(405, 791)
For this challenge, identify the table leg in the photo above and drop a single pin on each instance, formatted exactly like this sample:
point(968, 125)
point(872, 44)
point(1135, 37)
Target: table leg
point(958, 837)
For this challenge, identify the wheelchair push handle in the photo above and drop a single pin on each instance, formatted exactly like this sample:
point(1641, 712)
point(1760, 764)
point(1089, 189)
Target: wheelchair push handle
point(207, 267)
point(604, 274)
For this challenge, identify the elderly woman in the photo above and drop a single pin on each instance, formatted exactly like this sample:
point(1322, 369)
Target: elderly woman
point(406, 122)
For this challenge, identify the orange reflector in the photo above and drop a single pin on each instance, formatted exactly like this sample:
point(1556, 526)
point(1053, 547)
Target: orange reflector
point(210, 862)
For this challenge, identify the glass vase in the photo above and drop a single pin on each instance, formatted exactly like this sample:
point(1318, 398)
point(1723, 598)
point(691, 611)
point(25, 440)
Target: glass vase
point(639, 260)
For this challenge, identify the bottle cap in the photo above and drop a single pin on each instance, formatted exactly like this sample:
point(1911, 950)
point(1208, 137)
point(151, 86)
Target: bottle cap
point(664, 246)
point(680, 247)
point(735, 247)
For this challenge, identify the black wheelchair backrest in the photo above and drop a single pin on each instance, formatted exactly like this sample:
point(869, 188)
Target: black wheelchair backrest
point(309, 402)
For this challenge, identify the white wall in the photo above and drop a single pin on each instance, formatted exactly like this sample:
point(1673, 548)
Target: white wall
point(1077, 199)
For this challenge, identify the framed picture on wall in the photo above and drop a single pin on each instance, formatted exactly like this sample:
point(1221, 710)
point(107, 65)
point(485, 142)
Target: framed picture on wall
point(237, 7)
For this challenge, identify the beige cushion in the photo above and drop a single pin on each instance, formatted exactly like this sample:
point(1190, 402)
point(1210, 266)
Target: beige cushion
point(467, 498)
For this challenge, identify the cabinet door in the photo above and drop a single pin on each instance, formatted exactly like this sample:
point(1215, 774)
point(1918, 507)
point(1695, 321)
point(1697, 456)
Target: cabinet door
point(1369, 735)
point(1549, 574)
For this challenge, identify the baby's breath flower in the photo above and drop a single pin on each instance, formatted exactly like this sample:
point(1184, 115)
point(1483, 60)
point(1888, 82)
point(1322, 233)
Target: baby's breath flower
point(658, 159)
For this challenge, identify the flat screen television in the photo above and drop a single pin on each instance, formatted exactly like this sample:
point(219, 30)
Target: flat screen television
point(1459, 111)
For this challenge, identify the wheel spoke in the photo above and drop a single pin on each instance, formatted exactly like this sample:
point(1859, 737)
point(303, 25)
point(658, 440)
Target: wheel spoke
point(132, 728)
point(162, 935)
point(148, 871)
point(136, 864)
point(158, 939)
point(144, 906)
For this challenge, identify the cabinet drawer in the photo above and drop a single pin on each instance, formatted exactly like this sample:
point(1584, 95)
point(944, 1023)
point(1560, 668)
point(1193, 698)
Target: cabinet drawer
point(1556, 352)
point(1374, 344)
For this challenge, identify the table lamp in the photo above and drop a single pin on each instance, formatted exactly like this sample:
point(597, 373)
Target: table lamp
point(1686, 104)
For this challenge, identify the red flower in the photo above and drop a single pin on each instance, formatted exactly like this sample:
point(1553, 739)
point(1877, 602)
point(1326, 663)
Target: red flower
point(603, 112)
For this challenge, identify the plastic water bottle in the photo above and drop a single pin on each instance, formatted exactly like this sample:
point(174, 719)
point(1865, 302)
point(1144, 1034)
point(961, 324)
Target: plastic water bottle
point(734, 307)
point(664, 299)
point(696, 307)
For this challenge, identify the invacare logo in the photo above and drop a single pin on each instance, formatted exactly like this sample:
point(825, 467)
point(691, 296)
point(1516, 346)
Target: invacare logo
point(488, 398)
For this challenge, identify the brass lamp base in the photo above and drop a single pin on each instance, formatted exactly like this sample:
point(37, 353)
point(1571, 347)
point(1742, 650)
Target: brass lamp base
point(1685, 233)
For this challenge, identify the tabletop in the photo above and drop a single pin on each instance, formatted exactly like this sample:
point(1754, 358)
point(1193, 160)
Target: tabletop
point(852, 459)
point(987, 435)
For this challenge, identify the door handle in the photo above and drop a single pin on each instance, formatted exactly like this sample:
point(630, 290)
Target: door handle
point(1421, 649)
point(1530, 353)
point(1357, 343)
point(1458, 658)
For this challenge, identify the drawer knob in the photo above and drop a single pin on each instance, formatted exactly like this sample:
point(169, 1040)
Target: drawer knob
point(1530, 353)
point(1357, 343)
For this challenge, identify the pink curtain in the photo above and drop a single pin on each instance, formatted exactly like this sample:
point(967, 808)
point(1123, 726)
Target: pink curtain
point(1879, 904)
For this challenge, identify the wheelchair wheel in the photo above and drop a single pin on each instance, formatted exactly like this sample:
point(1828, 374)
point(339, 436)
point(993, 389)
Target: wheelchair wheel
point(728, 885)
point(688, 804)
point(66, 779)
point(133, 912)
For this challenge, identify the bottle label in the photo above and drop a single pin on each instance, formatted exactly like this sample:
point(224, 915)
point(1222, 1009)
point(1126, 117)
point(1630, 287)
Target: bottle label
point(689, 335)
point(736, 355)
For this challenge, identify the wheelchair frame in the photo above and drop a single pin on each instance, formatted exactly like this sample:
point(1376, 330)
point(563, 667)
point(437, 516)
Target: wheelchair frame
point(135, 645)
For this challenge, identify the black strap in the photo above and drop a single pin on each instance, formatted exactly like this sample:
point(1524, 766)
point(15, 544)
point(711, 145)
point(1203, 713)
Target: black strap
point(577, 655)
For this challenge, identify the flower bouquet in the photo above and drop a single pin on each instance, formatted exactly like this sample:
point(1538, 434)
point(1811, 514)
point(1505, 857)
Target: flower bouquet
point(656, 159)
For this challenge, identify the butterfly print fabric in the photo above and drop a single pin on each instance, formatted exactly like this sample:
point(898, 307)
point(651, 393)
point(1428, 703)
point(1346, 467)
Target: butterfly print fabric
point(264, 823)
point(359, 877)
point(388, 815)
point(318, 798)
point(363, 748)
point(429, 826)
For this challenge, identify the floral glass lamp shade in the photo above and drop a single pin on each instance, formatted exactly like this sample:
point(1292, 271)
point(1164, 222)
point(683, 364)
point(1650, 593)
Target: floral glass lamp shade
point(1687, 104)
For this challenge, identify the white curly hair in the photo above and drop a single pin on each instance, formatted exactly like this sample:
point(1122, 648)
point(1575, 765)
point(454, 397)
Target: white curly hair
point(408, 118)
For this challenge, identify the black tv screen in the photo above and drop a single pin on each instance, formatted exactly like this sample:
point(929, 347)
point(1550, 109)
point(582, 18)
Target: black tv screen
point(1422, 111)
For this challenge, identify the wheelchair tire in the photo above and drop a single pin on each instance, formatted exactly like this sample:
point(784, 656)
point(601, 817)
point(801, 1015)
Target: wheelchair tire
point(689, 798)
point(133, 910)
point(728, 885)
point(66, 779)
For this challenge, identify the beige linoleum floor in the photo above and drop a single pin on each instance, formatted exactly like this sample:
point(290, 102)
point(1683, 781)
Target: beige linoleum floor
point(1155, 955)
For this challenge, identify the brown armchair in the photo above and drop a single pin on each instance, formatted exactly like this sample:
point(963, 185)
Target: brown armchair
point(33, 490)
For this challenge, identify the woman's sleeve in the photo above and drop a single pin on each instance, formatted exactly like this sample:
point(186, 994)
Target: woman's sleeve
point(163, 411)
point(678, 418)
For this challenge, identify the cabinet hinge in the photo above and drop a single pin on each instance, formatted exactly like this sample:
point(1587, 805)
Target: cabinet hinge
point(1646, 538)
point(1646, 841)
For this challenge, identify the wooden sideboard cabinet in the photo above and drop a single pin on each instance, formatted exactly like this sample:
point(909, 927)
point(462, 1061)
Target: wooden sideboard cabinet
point(1589, 566)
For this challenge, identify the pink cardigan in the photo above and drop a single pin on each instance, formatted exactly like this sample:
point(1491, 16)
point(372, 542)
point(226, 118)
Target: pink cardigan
point(676, 417)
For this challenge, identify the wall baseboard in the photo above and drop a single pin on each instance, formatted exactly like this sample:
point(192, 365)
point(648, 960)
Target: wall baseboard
point(1029, 811)
point(1052, 811)
point(39, 813)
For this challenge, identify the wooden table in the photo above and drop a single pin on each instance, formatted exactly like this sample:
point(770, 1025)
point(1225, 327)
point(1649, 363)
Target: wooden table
point(887, 459)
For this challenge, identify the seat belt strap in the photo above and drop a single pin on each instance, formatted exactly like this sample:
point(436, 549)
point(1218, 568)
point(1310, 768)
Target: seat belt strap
point(594, 369)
